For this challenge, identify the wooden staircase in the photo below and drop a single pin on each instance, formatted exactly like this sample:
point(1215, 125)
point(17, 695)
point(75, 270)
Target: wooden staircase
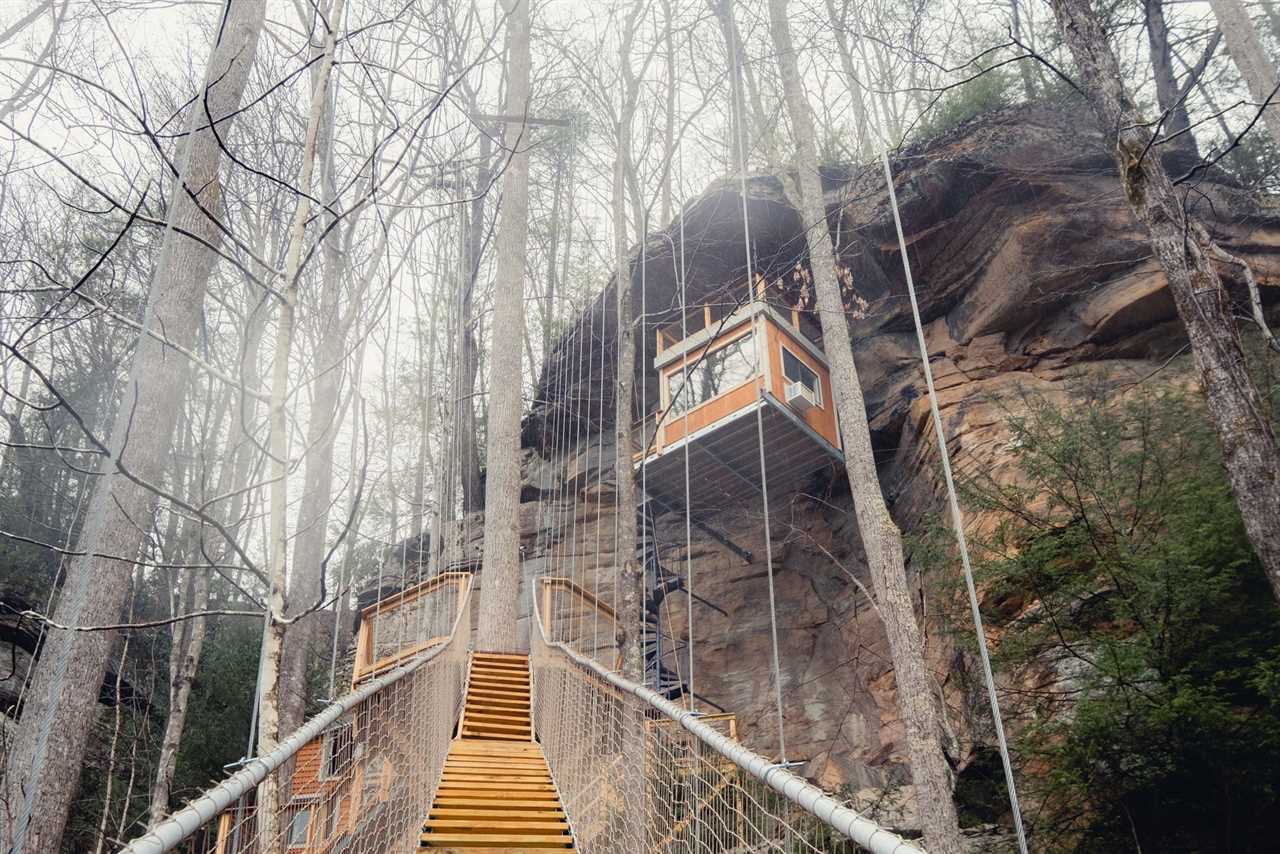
point(496, 791)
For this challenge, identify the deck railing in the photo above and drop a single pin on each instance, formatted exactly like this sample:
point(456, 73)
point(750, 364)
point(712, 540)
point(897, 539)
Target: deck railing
point(359, 777)
point(636, 772)
point(404, 624)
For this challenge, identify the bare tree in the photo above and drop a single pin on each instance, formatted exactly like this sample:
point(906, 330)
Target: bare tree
point(44, 765)
point(880, 536)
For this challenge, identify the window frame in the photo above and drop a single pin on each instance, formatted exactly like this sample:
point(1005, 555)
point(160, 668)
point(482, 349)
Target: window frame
point(337, 738)
point(307, 809)
point(678, 369)
point(817, 377)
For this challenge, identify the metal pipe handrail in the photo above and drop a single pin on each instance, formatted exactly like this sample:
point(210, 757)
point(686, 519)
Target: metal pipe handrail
point(170, 833)
point(795, 789)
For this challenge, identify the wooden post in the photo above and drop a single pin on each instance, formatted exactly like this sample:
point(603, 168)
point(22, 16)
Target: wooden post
point(224, 833)
point(706, 316)
point(546, 610)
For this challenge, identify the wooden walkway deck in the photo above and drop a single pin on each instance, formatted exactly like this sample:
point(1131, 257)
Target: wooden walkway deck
point(496, 792)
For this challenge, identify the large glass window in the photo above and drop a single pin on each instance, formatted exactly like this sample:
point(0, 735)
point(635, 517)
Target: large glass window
point(796, 371)
point(719, 371)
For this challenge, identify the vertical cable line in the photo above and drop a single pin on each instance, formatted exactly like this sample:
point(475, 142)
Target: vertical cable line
point(739, 109)
point(957, 520)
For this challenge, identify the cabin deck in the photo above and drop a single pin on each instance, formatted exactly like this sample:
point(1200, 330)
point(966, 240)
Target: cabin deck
point(724, 458)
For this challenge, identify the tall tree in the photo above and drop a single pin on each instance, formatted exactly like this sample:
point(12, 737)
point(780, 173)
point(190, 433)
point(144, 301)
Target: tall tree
point(44, 763)
point(1169, 96)
point(1183, 248)
point(881, 539)
point(1255, 65)
point(631, 575)
point(500, 585)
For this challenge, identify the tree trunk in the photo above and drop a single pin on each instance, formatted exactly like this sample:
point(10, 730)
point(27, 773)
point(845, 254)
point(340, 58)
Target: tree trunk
point(1251, 59)
point(44, 764)
point(500, 585)
point(270, 704)
point(1248, 440)
point(1026, 68)
point(1168, 93)
point(465, 433)
point(880, 536)
point(306, 580)
point(631, 574)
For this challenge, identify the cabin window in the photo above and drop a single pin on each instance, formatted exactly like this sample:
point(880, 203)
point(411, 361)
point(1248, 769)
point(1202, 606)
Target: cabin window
point(338, 743)
point(712, 375)
point(796, 371)
point(298, 828)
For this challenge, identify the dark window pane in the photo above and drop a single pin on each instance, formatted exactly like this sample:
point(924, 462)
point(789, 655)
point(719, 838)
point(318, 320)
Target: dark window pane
point(797, 371)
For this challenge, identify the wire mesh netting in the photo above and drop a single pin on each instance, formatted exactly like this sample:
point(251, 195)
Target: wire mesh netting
point(359, 778)
point(631, 778)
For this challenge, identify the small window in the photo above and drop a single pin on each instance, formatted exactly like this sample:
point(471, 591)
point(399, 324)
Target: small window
point(298, 828)
point(338, 743)
point(796, 371)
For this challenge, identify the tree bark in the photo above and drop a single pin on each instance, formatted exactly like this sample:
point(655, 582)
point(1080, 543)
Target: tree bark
point(500, 584)
point(270, 704)
point(631, 576)
point(880, 536)
point(44, 764)
point(1248, 440)
point(312, 525)
point(1251, 59)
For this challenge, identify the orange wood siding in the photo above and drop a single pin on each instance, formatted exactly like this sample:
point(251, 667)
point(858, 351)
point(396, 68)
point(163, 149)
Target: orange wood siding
point(823, 419)
point(306, 770)
point(713, 410)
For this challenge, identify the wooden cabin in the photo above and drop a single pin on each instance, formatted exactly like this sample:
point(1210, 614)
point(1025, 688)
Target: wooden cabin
point(728, 372)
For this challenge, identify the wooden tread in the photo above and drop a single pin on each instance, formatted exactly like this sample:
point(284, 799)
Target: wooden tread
point(496, 790)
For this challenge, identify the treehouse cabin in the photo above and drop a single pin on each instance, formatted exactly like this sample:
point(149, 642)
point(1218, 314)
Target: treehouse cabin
point(737, 375)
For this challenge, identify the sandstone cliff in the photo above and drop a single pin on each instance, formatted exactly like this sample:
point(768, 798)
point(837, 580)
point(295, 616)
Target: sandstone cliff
point(1030, 269)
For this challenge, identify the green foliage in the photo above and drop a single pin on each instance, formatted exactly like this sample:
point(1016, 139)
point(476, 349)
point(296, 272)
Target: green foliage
point(1255, 163)
point(990, 91)
point(220, 707)
point(1129, 600)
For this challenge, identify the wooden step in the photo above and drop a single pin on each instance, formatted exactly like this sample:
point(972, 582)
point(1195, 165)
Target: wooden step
point(513, 762)
point(482, 693)
point(490, 802)
point(484, 840)
point(463, 747)
point(513, 815)
point(545, 825)
point(455, 786)
point(498, 775)
point(500, 656)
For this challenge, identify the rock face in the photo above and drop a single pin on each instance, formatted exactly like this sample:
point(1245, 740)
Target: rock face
point(1030, 269)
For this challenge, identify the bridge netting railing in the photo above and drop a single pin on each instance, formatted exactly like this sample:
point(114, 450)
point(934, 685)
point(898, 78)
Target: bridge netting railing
point(636, 772)
point(360, 776)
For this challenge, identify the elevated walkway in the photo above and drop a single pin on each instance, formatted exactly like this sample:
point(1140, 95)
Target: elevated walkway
point(449, 750)
point(496, 791)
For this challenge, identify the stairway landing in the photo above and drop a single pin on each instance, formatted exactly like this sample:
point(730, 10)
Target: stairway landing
point(496, 791)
